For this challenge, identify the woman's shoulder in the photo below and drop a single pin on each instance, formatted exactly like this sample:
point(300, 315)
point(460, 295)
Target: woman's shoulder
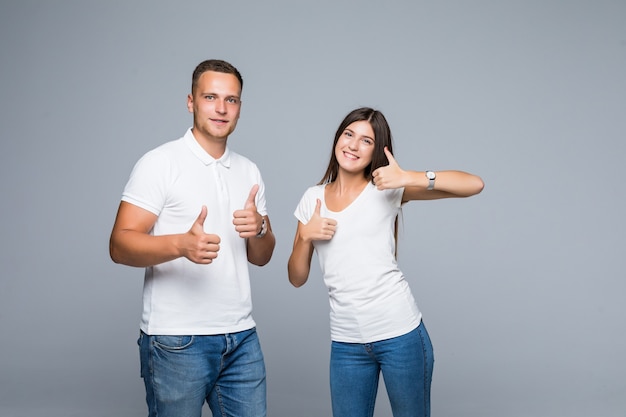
point(315, 190)
point(392, 195)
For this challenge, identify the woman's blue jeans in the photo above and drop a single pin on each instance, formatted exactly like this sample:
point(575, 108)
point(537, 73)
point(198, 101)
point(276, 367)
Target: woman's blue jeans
point(182, 372)
point(406, 363)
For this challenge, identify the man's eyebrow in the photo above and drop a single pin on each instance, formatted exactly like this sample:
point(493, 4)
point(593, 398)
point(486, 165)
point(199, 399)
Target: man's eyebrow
point(206, 93)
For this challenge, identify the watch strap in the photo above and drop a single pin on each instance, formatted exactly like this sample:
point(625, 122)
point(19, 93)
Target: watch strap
point(431, 180)
point(263, 230)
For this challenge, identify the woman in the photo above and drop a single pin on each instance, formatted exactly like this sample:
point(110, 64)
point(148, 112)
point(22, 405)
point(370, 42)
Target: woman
point(350, 219)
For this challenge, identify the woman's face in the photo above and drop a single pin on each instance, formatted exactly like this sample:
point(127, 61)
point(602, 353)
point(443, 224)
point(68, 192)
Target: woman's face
point(355, 147)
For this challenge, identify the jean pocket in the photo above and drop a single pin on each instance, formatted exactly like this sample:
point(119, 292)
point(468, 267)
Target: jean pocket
point(172, 342)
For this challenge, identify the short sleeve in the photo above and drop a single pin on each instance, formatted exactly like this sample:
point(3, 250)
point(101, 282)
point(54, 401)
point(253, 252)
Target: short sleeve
point(307, 203)
point(261, 204)
point(148, 182)
point(394, 196)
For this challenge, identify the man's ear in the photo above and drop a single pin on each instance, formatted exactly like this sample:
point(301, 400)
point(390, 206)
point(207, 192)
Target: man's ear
point(190, 103)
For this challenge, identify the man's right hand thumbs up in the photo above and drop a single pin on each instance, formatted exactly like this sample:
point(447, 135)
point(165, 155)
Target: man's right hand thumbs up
point(198, 246)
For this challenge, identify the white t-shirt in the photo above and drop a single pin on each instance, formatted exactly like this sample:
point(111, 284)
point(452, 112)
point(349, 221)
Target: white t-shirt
point(174, 181)
point(369, 298)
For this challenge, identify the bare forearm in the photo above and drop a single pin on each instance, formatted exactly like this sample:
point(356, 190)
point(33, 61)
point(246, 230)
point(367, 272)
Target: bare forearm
point(260, 250)
point(448, 183)
point(459, 183)
point(138, 249)
point(299, 264)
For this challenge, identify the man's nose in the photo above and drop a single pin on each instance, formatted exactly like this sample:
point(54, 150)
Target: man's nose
point(220, 106)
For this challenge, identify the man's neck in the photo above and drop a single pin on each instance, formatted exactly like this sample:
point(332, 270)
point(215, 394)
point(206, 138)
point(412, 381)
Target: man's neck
point(212, 145)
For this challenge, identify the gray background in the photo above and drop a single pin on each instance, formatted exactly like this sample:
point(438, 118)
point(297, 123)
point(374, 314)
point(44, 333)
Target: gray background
point(522, 287)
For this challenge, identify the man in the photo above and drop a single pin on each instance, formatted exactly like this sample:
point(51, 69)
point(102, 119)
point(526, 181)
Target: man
point(193, 213)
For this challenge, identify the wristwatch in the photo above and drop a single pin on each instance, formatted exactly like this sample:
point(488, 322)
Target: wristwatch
point(431, 179)
point(263, 229)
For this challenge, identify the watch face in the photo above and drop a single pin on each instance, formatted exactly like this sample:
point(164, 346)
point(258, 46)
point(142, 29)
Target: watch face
point(430, 175)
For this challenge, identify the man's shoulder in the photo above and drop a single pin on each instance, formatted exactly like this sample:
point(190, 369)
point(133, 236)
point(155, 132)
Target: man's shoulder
point(170, 148)
point(238, 158)
point(167, 154)
point(171, 145)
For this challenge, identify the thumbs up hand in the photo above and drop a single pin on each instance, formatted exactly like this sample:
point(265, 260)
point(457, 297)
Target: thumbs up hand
point(198, 246)
point(318, 227)
point(248, 221)
point(389, 176)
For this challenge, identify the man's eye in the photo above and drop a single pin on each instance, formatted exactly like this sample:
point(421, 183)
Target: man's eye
point(233, 100)
point(209, 97)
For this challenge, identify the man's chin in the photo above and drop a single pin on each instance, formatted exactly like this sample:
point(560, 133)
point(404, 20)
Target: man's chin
point(216, 134)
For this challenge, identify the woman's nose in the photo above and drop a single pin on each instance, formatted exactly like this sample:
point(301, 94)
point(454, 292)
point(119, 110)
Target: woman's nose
point(354, 143)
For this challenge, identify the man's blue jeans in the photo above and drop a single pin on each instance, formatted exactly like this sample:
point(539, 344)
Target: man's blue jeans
point(182, 372)
point(406, 363)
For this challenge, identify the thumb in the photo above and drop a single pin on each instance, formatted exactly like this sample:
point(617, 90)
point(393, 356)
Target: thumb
point(250, 202)
point(390, 158)
point(318, 207)
point(201, 218)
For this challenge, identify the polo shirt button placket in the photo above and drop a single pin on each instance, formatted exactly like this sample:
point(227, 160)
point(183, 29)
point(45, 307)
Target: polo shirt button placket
point(221, 184)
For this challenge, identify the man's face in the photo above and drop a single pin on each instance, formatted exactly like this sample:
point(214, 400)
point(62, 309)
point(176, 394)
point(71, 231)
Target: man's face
point(215, 104)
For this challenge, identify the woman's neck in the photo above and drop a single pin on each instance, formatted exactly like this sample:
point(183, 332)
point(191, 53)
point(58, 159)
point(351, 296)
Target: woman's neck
point(348, 183)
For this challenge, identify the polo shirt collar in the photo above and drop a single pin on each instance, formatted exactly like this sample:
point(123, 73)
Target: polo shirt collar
point(202, 155)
